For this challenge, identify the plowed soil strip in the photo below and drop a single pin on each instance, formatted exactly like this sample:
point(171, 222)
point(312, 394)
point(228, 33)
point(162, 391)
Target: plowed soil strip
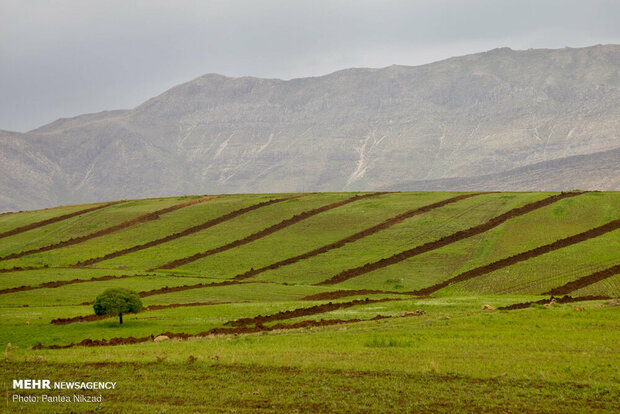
point(188, 287)
point(144, 218)
point(444, 241)
point(187, 232)
point(565, 299)
point(265, 232)
point(364, 233)
point(559, 244)
point(337, 294)
point(54, 220)
point(216, 332)
point(312, 310)
point(584, 281)
point(22, 269)
point(167, 289)
point(60, 283)
point(90, 318)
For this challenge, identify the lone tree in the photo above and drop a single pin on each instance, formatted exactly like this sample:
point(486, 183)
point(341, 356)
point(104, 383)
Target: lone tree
point(115, 302)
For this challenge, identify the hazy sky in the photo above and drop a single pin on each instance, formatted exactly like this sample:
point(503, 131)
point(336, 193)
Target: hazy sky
point(62, 58)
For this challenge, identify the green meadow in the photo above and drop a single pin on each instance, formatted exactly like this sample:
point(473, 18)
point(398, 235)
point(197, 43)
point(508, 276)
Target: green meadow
point(252, 324)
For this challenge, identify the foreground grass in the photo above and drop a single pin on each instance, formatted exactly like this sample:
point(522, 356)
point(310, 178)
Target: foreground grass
point(455, 358)
point(539, 342)
point(171, 387)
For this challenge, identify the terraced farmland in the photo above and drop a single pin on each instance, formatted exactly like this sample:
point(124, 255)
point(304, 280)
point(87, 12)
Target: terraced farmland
point(336, 283)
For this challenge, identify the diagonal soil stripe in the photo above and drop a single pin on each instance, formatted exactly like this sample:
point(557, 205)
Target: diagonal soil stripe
point(364, 233)
point(22, 269)
point(146, 217)
point(265, 232)
point(584, 281)
point(60, 283)
point(460, 235)
point(558, 244)
point(92, 317)
point(565, 299)
point(299, 312)
point(186, 232)
point(188, 287)
point(218, 331)
point(54, 220)
point(167, 289)
point(337, 294)
point(279, 316)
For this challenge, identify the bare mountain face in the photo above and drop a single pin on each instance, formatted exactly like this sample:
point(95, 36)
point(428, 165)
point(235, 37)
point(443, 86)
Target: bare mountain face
point(356, 129)
point(596, 171)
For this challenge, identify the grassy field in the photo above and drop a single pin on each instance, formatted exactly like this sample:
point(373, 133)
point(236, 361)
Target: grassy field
point(251, 327)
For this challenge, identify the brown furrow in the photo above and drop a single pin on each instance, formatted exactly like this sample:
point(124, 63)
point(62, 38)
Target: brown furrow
point(265, 232)
point(22, 269)
point(584, 281)
point(59, 283)
point(167, 289)
point(144, 218)
point(357, 236)
point(186, 232)
point(444, 241)
point(337, 294)
point(55, 219)
point(299, 312)
point(499, 264)
point(90, 318)
point(217, 332)
point(565, 299)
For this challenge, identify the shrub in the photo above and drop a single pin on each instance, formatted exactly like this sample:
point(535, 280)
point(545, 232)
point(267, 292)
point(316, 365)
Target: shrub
point(116, 302)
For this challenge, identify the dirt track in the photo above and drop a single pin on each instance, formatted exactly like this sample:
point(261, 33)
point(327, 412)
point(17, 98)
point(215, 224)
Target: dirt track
point(364, 233)
point(215, 332)
point(144, 218)
point(54, 220)
point(59, 283)
point(444, 241)
point(565, 242)
point(565, 299)
point(90, 318)
point(186, 232)
point(265, 232)
point(584, 281)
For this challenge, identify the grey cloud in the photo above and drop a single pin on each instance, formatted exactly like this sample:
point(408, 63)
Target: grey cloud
point(63, 58)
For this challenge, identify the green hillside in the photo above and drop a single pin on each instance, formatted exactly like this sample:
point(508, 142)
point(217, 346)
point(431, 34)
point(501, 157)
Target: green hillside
point(286, 270)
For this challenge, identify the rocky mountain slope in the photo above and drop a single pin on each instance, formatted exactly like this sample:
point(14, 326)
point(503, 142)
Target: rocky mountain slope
point(598, 171)
point(478, 115)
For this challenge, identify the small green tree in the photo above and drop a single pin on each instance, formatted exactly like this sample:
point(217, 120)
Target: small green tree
point(115, 302)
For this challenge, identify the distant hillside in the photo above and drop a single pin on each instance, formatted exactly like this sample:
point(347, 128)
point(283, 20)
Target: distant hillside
point(356, 129)
point(598, 171)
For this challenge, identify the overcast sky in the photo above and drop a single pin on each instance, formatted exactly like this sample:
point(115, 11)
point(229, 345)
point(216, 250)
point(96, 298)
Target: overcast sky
point(62, 58)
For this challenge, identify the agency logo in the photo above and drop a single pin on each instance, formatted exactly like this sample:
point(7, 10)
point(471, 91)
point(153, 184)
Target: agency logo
point(45, 384)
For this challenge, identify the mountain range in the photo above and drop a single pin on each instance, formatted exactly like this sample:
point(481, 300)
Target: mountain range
point(539, 119)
